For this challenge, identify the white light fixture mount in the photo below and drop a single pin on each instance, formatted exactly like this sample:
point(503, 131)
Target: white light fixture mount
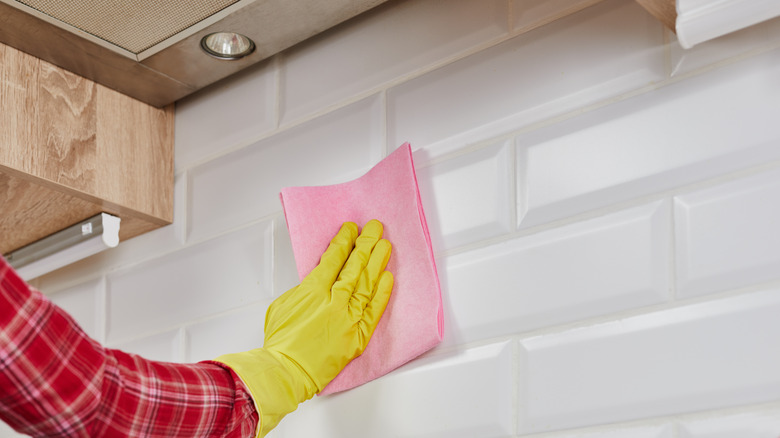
point(703, 20)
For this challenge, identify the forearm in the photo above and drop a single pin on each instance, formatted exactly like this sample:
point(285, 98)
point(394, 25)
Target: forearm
point(159, 399)
point(56, 381)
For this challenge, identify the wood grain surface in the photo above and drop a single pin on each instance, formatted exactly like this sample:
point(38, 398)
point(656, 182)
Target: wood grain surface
point(135, 140)
point(70, 148)
point(66, 151)
point(663, 10)
point(38, 212)
point(18, 106)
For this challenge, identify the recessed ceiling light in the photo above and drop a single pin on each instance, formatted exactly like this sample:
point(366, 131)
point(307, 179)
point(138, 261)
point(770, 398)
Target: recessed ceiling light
point(227, 45)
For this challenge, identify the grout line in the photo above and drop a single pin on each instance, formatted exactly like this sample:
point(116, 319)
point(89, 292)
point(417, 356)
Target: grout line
point(249, 141)
point(510, 15)
point(279, 224)
point(93, 275)
point(646, 310)
point(272, 261)
point(183, 325)
point(463, 147)
point(672, 420)
point(516, 373)
point(735, 59)
point(667, 41)
point(464, 150)
point(187, 226)
point(608, 318)
point(101, 308)
point(181, 229)
point(672, 251)
point(513, 182)
point(676, 432)
point(563, 13)
point(385, 146)
point(522, 178)
point(120, 267)
point(277, 65)
point(180, 352)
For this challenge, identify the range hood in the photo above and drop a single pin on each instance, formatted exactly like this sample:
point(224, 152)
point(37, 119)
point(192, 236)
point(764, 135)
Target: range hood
point(150, 50)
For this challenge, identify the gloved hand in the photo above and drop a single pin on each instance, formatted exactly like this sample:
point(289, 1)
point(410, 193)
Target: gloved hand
point(315, 329)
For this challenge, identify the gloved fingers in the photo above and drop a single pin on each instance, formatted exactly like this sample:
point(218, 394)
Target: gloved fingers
point(334, 258)
point(376, 307)
point(366, 286)
point(348, 277)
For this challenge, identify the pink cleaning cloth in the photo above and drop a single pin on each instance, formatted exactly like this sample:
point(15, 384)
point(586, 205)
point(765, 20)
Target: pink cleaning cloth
point(412, 322)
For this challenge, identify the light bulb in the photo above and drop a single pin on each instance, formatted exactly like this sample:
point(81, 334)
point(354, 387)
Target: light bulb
point(227, 45)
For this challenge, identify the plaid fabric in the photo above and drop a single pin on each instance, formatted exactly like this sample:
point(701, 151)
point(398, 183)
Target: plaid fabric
point(57, 382)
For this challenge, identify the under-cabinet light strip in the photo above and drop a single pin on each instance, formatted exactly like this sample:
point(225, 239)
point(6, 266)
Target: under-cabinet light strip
point(67, 246)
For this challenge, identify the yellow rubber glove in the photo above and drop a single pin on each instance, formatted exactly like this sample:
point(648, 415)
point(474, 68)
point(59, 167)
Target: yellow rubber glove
point(315, 329)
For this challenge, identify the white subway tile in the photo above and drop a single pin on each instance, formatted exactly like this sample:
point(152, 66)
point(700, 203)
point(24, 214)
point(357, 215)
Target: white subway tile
point(595, 267)
point(702, 356)
point(226, 114)
point(467, 198)
point(164, 347)
point(761, 36)
point(85, 304)
point(681, 133)
point(244, 186)
point(465, 394)
point(654, 431)
point(529, 78)
point(230, 333)
point(758, 424)
point(528, 14)
point(276, 433)
point(382, 45)
point(727, 236)
point(285, 271)
point(7, 432)
point(224, 273)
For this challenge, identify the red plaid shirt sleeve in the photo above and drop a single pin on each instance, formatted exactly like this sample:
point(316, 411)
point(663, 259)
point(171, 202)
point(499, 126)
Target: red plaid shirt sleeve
point(55, 381)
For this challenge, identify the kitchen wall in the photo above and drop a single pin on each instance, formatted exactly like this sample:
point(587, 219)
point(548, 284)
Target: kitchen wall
point(604, 208)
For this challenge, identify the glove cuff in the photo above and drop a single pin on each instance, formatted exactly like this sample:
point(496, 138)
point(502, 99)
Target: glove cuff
point(277, 384)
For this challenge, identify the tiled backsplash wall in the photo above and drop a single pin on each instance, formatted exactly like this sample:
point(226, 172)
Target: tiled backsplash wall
point(604, 206)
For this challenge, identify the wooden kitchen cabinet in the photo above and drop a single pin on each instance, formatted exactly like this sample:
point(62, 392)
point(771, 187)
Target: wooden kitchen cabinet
point(71, 148)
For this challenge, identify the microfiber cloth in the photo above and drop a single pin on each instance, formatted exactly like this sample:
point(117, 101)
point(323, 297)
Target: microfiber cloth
point(412, 322)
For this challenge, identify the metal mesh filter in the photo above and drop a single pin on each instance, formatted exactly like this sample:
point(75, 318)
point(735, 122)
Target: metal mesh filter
point(134, 25)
